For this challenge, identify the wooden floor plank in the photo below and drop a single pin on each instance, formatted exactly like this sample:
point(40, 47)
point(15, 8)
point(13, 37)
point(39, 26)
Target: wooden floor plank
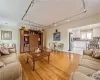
point(59, 68)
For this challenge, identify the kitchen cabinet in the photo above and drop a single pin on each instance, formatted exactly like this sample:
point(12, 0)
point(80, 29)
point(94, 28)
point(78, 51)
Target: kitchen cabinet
point(96, 32)
point(76, 34)
point(79, 46)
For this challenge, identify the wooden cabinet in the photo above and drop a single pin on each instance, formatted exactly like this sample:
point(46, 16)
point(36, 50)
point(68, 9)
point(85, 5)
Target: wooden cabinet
point(30, 40)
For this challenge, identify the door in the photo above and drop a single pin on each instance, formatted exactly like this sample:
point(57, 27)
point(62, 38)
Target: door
point(33, 41)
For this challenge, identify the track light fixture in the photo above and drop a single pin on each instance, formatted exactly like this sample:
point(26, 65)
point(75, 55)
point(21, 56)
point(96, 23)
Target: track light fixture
point(84, 11)
point(32, 2)
point(68, 20)
point(56, 23)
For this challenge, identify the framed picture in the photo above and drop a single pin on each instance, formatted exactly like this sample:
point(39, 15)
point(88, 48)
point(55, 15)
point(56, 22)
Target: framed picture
point(56, 36)
point(6, 35)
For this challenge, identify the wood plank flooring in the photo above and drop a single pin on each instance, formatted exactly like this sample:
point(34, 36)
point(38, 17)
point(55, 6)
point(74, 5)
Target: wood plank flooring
point(59, 67)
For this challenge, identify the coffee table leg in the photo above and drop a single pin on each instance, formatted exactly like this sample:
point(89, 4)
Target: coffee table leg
point(27, 59)
point(33, 65)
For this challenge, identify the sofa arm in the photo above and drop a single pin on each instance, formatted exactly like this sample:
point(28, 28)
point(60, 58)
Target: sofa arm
point(88, 52)
point(11, 71)
point(79, 76)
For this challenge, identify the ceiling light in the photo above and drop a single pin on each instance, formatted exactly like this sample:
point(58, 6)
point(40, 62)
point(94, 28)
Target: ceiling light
point(84, 10)
point(55, 25)
point(32, 4)
point(68, 20)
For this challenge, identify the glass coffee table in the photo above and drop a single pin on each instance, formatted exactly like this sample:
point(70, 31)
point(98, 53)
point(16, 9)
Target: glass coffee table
point(37, 56)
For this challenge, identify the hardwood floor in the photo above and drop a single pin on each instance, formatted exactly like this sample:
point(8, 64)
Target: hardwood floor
point(59, 67)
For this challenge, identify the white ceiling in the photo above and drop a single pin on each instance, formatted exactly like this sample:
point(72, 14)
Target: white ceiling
point(49, 11)
point(11, 11)
point(46, 12)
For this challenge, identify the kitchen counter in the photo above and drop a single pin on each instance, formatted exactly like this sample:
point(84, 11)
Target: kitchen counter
point(79, 46)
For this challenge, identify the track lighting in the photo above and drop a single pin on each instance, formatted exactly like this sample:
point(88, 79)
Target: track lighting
point(55, 25)
point(68, 20)
point(84, 11)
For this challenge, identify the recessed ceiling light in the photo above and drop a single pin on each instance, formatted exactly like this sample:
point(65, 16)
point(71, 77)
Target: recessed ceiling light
point(6, 23)
point(55, 25)
point(68, 20)
point(84, 10)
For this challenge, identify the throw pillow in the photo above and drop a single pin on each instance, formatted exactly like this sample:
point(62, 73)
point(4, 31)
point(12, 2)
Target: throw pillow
point(12, 50)
point(1, 45)
point(96, 75)
point(88, 52)
point(4, 50)
point(5, 45)
point(96, 54)
point(1, 64)
point(11, 45)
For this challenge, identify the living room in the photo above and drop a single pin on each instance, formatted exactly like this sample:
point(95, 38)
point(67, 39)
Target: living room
point(66, 32)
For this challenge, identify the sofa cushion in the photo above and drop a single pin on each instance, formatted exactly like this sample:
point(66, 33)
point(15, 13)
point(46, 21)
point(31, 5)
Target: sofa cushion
point(12, 50)
point(7, 59)
point(4, 50)
point(90, 64)
point(96, 75)
point(88, 52)
point(85, 70)
point(11, 71)
point(1, 44)
point(80, 76)
point(1, 64)
point(90, 58)
point(96, 54)
point(8, 45)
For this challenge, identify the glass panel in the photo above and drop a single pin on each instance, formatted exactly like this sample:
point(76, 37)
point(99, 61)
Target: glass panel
point(86, 35)
point(83, 35)
point(89, 35)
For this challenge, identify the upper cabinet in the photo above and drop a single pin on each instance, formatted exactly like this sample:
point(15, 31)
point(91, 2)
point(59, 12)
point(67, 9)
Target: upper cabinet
point(96, 32)
point(76, 34)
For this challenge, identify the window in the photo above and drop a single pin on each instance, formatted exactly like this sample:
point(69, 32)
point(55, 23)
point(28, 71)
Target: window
point(86, 34)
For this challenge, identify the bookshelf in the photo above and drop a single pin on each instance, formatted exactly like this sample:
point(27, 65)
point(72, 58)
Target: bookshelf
point(30, 39)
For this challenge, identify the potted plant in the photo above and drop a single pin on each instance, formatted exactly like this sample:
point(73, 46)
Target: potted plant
point(22, 28)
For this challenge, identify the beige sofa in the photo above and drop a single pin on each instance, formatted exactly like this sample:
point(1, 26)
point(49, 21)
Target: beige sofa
point(12, 69)
point(87, 66)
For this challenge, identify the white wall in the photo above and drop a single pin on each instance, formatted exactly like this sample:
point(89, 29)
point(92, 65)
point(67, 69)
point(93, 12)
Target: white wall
point(64, 30)
point(64, 35)
point(15, 36)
